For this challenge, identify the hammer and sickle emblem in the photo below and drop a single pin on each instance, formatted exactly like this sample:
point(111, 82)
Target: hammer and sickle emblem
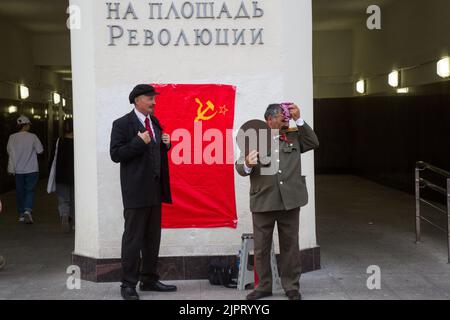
point(201, 113)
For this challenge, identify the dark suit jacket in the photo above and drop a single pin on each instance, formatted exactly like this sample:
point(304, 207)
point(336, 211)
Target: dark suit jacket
point(140, 188)
point(64, 161)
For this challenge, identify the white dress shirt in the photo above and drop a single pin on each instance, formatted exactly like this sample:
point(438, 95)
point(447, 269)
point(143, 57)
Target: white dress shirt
point(142, 117)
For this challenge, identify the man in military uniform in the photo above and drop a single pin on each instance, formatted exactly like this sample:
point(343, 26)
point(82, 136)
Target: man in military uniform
point(277, 197)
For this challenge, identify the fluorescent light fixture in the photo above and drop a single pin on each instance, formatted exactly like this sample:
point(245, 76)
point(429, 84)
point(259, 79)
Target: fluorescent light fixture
point(361, 86)
point(37, 117)
point(403, 90)
point(24, 92)
point(12, 109)
point(63, 102)
point(46, 112)
point(393, 78)
point(56, 98)
point(32, 110)
point(443, 67)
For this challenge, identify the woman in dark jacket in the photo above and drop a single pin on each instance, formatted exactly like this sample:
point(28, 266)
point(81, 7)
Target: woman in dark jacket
point(64, 176)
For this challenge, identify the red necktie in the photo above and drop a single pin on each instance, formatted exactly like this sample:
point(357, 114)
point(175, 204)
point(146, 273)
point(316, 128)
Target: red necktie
point(147, 126)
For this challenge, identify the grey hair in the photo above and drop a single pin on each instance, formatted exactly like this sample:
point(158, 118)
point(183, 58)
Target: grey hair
point(272, 110)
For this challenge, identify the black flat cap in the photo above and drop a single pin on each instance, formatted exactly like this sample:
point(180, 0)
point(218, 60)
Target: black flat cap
point(142, 89)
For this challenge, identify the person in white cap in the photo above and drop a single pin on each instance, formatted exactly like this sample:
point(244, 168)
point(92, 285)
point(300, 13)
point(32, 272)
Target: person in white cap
point(23, 148)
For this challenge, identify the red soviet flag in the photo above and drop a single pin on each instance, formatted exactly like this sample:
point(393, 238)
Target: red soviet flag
point(199, 119)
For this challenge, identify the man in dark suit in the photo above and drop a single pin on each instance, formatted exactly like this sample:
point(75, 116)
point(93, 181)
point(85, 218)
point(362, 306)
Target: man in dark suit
point(140, 146)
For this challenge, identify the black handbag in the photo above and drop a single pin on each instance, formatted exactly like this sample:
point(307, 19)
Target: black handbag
point(221, 274)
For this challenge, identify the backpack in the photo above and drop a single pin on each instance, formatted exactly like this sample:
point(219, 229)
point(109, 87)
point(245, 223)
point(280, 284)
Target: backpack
point(220, 273)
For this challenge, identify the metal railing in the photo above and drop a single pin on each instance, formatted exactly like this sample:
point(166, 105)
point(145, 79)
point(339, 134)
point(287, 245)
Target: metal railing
point(421, 183)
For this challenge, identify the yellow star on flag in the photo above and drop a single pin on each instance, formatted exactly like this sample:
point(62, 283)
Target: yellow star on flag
point(223, 110)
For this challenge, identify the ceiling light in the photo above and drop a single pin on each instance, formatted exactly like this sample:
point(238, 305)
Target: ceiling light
point(56, 98)
point(393, 78)
point(24, 92)
point(12, 109)
point(361, 86)
point(403, 90)
point(443, 67)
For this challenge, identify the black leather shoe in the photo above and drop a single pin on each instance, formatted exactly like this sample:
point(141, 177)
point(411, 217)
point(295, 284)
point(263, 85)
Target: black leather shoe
point(129, 293)
point(156, 286)
point(294, 295)
point(255, 295)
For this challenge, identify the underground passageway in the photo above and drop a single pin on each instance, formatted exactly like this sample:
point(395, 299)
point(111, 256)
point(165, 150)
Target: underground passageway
point(36, 254)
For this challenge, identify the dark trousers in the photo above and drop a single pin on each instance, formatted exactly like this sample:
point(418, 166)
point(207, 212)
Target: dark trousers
point(290, 264)
point(140, 245)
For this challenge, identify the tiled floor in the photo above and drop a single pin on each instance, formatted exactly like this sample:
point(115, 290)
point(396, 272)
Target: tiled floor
point(359, 224)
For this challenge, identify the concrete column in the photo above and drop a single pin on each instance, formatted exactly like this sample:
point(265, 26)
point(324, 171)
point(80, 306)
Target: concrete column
point(84, 59)
point(275, 68)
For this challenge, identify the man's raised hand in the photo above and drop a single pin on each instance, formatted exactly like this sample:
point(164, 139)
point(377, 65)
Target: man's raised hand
point(294, 110)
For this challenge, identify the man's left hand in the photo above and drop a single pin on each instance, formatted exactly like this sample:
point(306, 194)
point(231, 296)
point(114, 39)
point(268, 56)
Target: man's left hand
point(294, 110)
point(165, 138)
